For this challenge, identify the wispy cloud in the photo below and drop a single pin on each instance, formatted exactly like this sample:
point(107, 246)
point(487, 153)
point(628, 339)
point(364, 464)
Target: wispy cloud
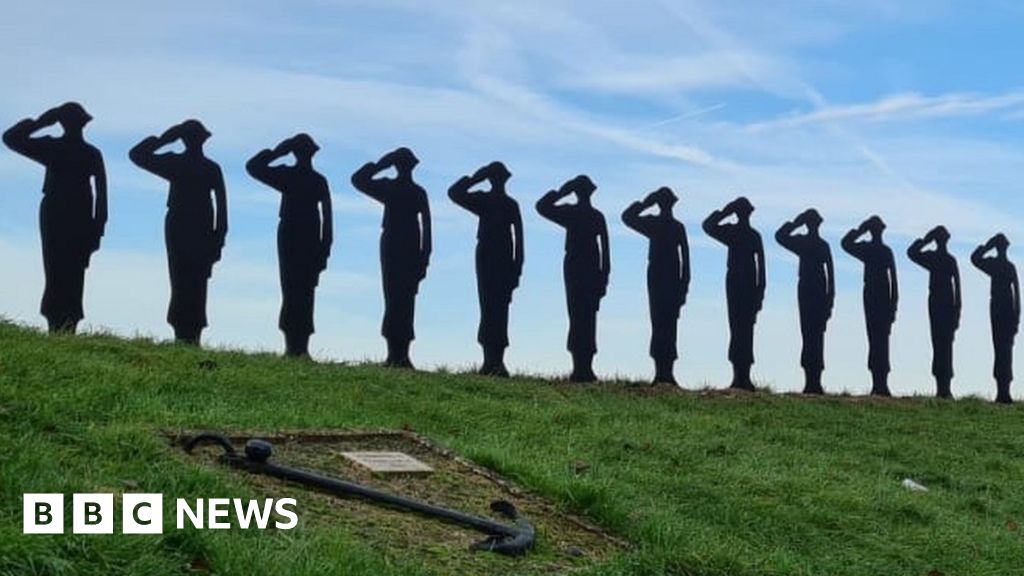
point(901, 107)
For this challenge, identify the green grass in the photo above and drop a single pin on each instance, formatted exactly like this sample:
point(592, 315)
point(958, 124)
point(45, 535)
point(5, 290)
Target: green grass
point(700, 484)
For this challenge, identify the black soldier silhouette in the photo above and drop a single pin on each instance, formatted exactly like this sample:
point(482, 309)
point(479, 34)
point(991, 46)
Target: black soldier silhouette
point(744, 282)
point(943, 302)
point(499, 256)
point(881, 296)
point(405, 244)
point(196, 224)
point(668, 274)
point(585, 268)
point(816, 291)
point(304, 233)
point(73, 212)
point(1004, 308)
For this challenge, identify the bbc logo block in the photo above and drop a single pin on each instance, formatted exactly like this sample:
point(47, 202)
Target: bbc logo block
point(43, 514)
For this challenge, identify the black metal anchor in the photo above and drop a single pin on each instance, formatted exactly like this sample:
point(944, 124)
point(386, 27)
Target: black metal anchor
point(510, 540)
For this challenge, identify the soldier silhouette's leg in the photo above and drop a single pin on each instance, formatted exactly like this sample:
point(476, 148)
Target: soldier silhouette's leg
point(663, 307)
point(1003, 372)
point(582, 330)
point(814, 342)
point(942, 360)
point(297, 344)
point(494, 296)
point(663, 347)
point(298, 266)
point(399, 317)
point(741, 350)
point(812, 330)
point(64, 260)
point(878, 361)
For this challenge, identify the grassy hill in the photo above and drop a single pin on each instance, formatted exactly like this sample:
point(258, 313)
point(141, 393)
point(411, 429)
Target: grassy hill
point(700, 484)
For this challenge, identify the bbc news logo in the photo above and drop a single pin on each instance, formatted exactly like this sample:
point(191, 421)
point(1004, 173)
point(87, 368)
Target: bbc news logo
point(144, 513)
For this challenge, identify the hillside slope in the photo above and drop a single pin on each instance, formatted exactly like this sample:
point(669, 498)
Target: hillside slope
point(700, 484)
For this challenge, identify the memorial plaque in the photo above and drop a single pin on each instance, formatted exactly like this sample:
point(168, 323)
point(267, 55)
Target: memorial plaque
point(388, 462)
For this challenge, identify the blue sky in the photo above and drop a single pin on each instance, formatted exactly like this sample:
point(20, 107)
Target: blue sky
point(910, 109)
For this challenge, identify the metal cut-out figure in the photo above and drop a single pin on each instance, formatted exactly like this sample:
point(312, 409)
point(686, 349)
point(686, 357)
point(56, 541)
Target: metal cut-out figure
point(1004, 308)
point(744, 283)
point(944, 302)
point(881, 296)
point(196, 224)
point(304, 233)
point(816, 291)
point(499, 257)
point(585, 268)
point(73, 212)
point(668, 274)
point(405, 245)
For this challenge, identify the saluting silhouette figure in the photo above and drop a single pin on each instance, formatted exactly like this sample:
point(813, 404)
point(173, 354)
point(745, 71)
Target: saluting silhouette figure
point(586, 267)
point(499, 257)
point(816, 291)
point(405, 244)
point(744, 282)
point(943, 302)
point(73, 212)
point(304, 233)
point(881, 296)
point(668, 274)
point(196, 224)
point(1004, 309)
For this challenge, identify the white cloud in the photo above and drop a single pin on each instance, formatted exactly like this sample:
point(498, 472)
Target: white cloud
point(901, 107)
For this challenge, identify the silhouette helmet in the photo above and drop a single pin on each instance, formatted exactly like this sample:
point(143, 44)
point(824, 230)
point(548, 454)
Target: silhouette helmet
point(73, 113)
point(812, 216)
point(742, 205)
point(1001, 240)
point(875, 224)
point(405, 158)
point(665, 196)
point(304, 144)
point(498, 171)
point(583, 185)
point(941, 233)
point(194, 129)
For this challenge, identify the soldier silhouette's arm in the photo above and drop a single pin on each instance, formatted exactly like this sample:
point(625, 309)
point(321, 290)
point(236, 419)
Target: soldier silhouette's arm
point(684, 259)
point(19, 137)
point(785, 237)
point(850, 243)
point(145, 156)
point(714, 228)
point(1016, 297)
point(830, 285)
point(982, 262)
point(548, 205)
point(894, 285)
point(461, 194)
point(606, 255)
point(259, 166)
point(759, 257)
point(518, 243)
point(366, 181)
point(957, 296)
point(634, 218)
point(918, 255)
point(220, 198)
point(327, 223)
point(426, 240)
point(99, 215)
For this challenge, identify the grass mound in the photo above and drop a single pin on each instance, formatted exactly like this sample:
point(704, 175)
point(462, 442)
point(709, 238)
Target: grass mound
point(699, 484)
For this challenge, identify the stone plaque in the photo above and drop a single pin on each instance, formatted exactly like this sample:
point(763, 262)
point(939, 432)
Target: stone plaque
point(388, 462)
